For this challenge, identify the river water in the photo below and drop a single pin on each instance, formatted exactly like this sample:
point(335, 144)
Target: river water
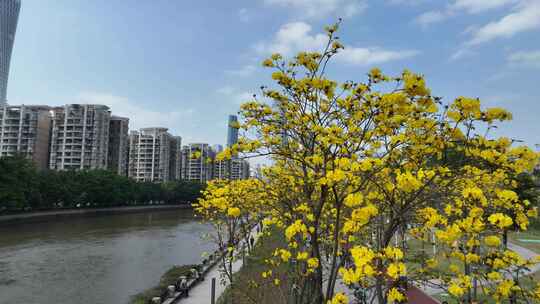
point(95, 260)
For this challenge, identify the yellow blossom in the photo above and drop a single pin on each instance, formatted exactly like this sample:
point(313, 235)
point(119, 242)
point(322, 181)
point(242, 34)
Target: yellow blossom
point(408, 182)
point(500, 220)
point(395, 296)
point(234, 212)
point(492, 241)
point(339, 298)
point(313, 263)
point(302, 256)
point(285, 255)
point(455, 290)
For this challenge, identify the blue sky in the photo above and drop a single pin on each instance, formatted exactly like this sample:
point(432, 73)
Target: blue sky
point(186, 64)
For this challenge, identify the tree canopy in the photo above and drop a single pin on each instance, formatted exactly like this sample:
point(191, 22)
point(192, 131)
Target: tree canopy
point(23, 187)
point(361, 167)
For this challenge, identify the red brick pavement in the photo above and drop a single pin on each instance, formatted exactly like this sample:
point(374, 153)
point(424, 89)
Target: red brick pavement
point(417, 296)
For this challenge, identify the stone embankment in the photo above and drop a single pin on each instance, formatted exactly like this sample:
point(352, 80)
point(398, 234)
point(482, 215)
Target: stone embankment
point(199, 286)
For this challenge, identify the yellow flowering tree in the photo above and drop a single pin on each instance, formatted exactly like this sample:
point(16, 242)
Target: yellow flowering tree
point(359, 167)
point(232, 207)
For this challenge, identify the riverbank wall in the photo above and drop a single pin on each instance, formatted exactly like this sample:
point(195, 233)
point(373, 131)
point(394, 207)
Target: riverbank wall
point(41, 216)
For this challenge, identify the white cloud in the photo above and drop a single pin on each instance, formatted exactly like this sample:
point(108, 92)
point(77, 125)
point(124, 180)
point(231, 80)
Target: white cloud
point(291, 38)
point(294, 37)
point(525, 59)
point(525, 17)
point(243, 15)
point(226, 90)
point(478, 6)
point(406, 2)
point(322, 8)
point(461, 53)
point(459, 6)
point(234, 95)
point(244, 71)
point(139, 116)
point(370, 56)
point(430, 17)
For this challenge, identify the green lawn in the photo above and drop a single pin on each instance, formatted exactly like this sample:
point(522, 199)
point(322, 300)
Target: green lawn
point(417, 253)
point(535, 277)
point(243, 291)
point(532, 234)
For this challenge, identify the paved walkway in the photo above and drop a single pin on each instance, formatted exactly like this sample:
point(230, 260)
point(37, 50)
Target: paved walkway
point(201, 293)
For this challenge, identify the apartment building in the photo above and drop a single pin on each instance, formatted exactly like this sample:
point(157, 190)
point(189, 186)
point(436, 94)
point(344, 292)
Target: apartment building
point(238, 168)
point(25, 130)
point(118, 145)
point(150, 155)
point(79, 137)
point(176, 158)
point(197, 162)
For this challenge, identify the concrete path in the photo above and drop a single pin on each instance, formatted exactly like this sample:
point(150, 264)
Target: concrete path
point(201, 293)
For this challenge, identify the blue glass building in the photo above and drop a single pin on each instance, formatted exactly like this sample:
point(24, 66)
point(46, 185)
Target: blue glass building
point(232, 133)
point(9, 15)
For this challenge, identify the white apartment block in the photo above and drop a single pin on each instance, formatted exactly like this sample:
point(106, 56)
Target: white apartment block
point(79, 137)
point(197, 168)
point(150, 155)
point(118, 145)
point(239, 169)
point(25, 130)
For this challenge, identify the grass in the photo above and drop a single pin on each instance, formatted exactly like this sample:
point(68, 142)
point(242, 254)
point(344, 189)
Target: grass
point(169, 278)
point(418, 253)
point(531, 234)
point(535, 277)
point(243, 290)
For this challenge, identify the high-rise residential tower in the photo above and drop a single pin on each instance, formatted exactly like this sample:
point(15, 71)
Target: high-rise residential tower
point(176, 158)
point(9, 16)
point(232, 131)
point(25, 130)
point(197, 162)
point(150, 155)
point(80, 137)
point(118, 145)
point(235, 168)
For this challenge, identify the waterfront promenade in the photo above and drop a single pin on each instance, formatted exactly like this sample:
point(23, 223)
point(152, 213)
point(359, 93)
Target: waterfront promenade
point(201, 293)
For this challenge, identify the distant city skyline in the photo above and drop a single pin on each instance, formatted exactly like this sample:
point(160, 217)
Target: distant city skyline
point(9, 16)
point(89, 137)
point(187, 67)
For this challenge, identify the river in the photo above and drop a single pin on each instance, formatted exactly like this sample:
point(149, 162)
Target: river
point(95, 259)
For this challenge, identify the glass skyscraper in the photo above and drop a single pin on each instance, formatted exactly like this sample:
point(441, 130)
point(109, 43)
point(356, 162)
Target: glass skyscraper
point(232, 133)
point(9, 15)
